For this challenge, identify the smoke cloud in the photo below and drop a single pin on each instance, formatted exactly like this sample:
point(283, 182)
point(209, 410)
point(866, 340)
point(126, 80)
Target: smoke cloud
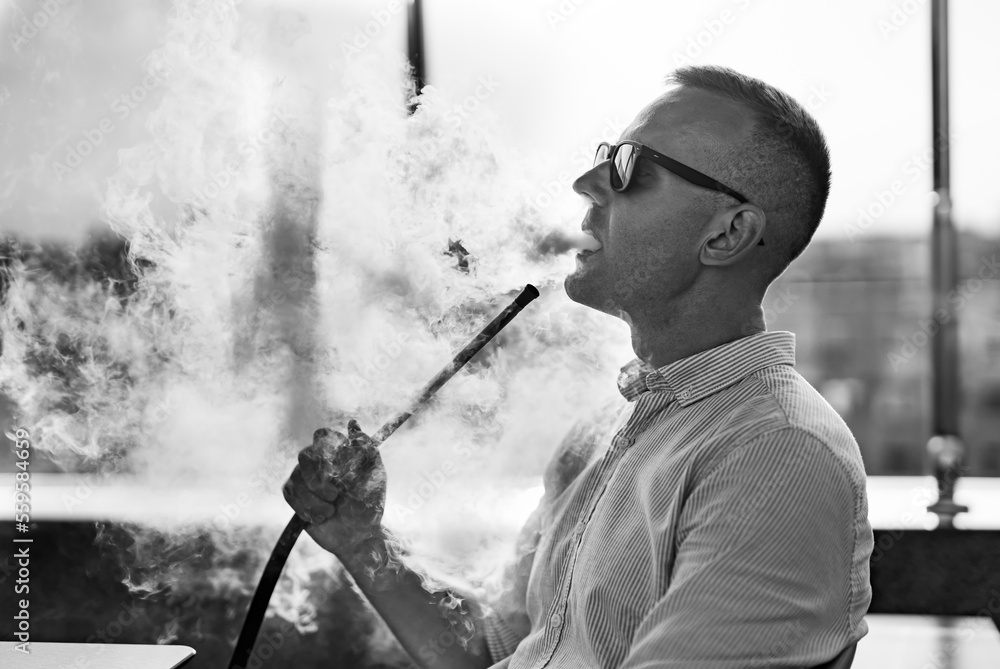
point(305, 251)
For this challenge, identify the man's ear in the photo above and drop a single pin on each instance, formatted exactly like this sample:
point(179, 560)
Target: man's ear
point(732, 234)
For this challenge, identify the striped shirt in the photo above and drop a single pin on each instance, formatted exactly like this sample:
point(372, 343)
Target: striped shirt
point(721, 522)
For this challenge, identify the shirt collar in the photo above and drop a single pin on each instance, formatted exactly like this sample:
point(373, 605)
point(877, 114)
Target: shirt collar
point(702, 374)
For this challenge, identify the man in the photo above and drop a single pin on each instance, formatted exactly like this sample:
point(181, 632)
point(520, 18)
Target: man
point(720, 518)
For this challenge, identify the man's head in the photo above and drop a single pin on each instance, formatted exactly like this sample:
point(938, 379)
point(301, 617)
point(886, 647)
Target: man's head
point(667, 241)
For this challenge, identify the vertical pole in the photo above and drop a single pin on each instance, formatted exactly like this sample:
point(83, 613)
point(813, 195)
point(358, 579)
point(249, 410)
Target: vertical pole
point(945, 447)
point(415, 46)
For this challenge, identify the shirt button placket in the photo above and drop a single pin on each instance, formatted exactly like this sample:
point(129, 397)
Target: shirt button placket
point(556, 620)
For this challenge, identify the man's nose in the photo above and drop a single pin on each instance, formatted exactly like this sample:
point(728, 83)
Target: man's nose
point(593, 184)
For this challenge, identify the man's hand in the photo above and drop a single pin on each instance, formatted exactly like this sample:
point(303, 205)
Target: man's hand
point(338, 487)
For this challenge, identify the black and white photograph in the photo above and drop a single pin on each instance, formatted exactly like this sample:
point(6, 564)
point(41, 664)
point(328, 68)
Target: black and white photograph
point(523, 334)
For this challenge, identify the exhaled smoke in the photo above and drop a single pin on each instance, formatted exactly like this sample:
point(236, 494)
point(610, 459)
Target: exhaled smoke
point(557, 242)
point(307, 252)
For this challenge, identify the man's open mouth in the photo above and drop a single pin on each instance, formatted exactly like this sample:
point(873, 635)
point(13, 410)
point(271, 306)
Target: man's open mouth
point(591, 245)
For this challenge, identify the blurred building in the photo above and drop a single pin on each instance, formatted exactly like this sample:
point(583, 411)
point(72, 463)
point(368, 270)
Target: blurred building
point(861, 311)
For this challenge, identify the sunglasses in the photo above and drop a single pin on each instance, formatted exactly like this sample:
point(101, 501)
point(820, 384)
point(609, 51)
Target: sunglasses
point(624, 156)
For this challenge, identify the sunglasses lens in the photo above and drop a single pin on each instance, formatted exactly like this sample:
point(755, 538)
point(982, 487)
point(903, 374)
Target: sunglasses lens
point(624, 163)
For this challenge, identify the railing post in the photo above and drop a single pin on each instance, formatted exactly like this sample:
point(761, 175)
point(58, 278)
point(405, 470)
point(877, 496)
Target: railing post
point(415, 47)
point(945, 447)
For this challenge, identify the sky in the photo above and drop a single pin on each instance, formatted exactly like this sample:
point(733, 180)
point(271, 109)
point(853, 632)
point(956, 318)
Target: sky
point(552, 77)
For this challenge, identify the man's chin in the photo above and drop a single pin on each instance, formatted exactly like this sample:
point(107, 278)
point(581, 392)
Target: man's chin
point(586, 290)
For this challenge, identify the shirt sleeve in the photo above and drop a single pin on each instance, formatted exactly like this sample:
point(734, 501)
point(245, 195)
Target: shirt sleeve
point(763, 565)
point(501, 641)
point(506, 621)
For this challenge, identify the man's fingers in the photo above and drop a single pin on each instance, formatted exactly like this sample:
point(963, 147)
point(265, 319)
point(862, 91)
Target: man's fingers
point(312, 466)
point(318, 459)
point(321, 433)
point(327, 438)
point(357, 435)
point(338, 487)
point(307, 505)
point(335, 465)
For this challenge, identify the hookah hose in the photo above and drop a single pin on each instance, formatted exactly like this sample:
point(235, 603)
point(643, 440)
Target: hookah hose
point(275, 563)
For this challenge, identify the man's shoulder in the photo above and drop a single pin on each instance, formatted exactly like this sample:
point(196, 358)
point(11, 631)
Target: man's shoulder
point(804, 409)
point(782, 405)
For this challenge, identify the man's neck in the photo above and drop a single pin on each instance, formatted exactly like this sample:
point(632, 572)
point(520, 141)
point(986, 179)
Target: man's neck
point(659, 340)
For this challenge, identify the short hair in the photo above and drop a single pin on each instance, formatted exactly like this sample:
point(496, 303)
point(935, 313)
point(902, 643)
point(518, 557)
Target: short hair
point(784, 167)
